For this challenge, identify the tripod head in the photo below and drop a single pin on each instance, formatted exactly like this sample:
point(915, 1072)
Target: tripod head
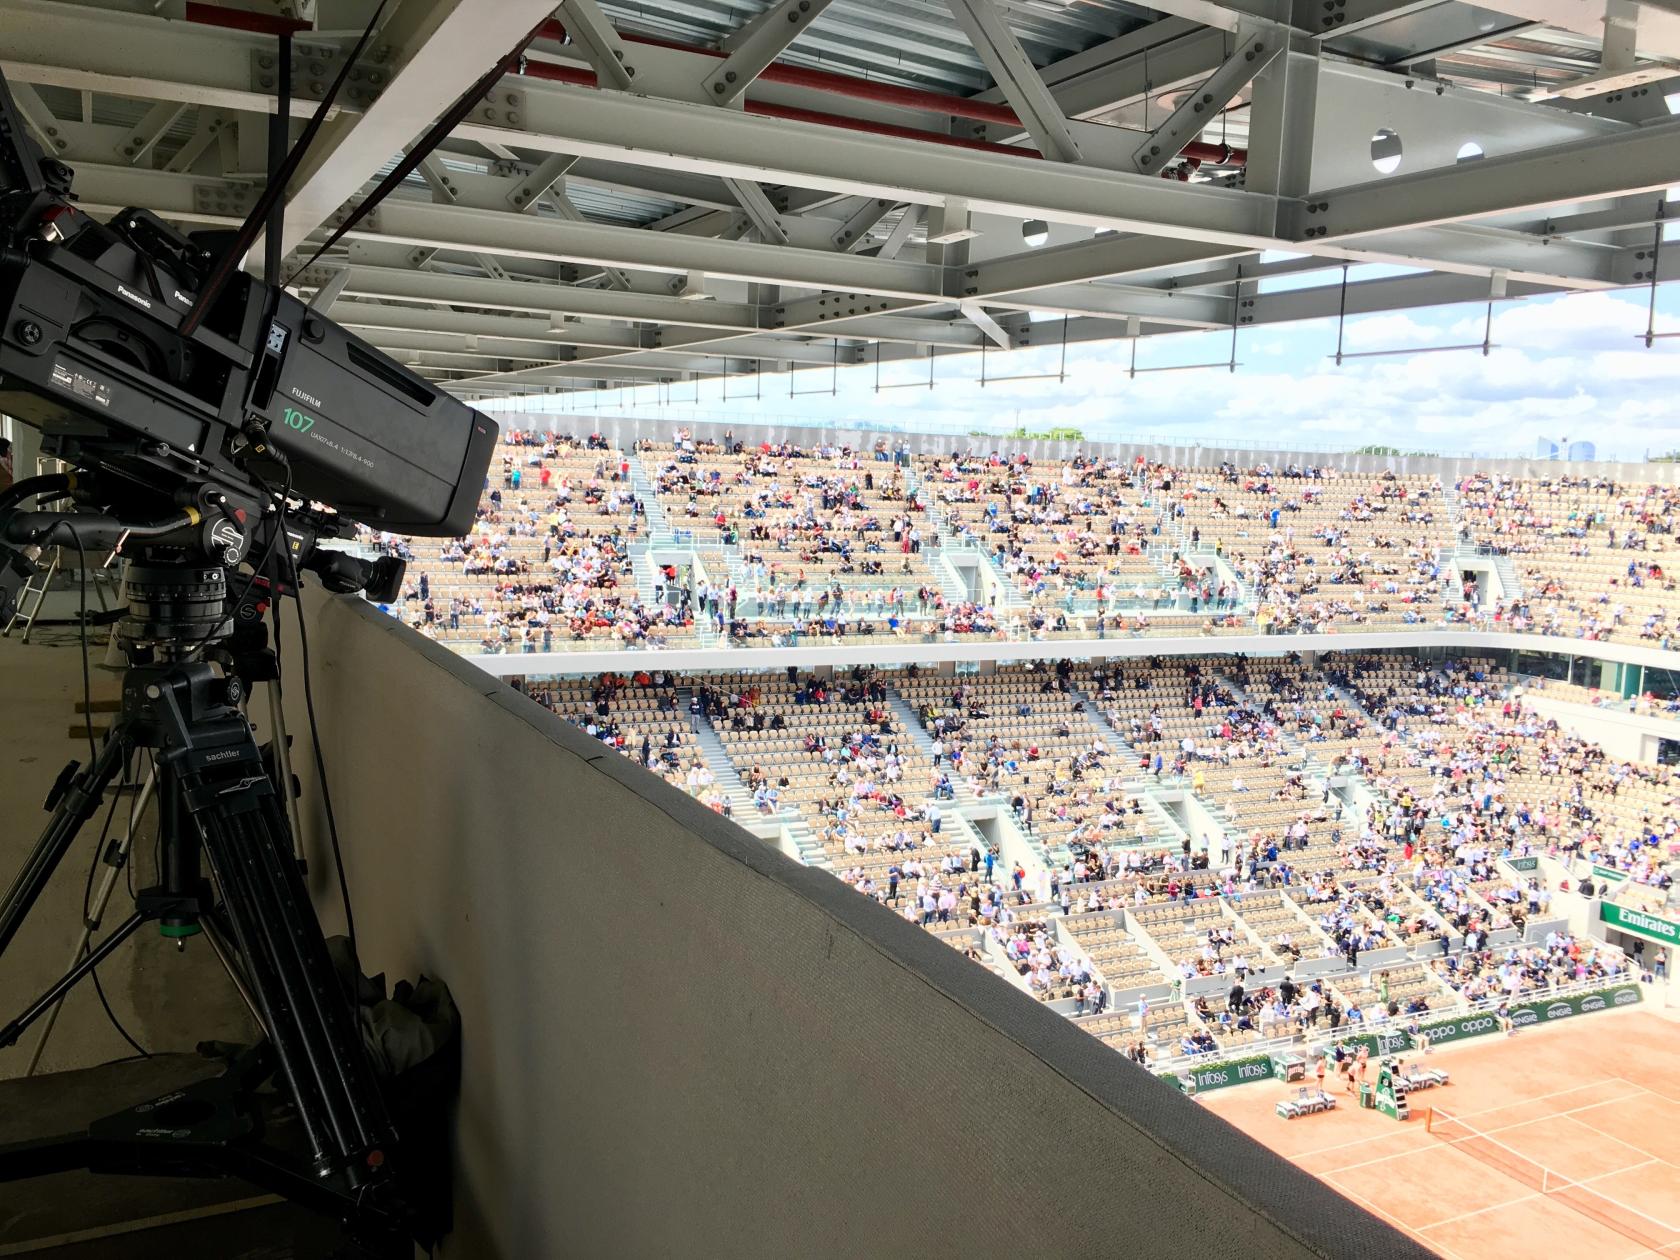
point(178, 548)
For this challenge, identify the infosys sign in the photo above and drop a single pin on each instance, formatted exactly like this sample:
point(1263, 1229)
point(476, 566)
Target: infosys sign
point(1222, 1075)
point(1237, 1072)
point(1651, 926)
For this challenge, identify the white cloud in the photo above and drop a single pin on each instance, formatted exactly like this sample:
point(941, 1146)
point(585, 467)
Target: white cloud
point(1561, 366)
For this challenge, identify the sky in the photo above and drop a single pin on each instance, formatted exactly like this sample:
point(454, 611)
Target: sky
point(1570, 366)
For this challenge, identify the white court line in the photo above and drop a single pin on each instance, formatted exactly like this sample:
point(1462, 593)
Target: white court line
point(1628, 1207)
point(1383, 1159)
point(1507, 1128)
point(1556, 1093)
point(1613, 1172)
point(1647, 1089)
point(1593, 1128)
point(1377, 1211)
point(1492, 1207)
point(1530, 1197)
point(1571, 1113)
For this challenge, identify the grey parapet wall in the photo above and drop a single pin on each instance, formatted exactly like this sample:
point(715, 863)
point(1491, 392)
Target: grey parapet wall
point(678, 1041)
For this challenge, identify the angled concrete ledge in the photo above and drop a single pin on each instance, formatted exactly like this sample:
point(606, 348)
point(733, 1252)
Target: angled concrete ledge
point(680, 1042)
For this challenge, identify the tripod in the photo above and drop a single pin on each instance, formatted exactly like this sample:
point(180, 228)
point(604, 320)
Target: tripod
point(217, 805)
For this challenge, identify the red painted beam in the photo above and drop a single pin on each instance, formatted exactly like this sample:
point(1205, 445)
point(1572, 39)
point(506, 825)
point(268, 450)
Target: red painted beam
point(243, 20)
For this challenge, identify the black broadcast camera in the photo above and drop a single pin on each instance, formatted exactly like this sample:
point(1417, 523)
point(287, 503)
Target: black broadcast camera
point(208, 413)
point(212, 421)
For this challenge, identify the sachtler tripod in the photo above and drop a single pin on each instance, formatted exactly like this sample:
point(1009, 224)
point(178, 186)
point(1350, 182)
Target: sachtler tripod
point(217, 804)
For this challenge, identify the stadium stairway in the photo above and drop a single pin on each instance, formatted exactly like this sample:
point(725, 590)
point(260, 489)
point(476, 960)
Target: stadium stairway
point(658, 525)
point(1352, 702)
point(1286, 738)
point(1169, 832)
point(1009, 597)
point(804, 840)
point(951, 586)
point(1450, 502)
point(1105, 729)
point(641, 565)
point(1508, 578)
point(1051, 857)
point(997, 962)
point(712, 752)
point(923, 739)
point(1151, 947)
point(1325, 947)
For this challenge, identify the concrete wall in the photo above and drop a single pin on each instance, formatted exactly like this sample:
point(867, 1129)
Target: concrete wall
point(678, 1042)
point(887, 650)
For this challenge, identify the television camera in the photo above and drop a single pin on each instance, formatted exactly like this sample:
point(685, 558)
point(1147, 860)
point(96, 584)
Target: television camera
point(211, 423)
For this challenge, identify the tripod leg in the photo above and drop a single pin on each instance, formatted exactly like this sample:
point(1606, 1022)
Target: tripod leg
point(81, 798)
point(12, 1031)
point(224, 954)
point(212, 773)
point(96, 913)
point(283, 764)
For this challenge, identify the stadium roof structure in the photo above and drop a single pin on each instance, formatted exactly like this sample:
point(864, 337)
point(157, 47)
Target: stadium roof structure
point(676, 190)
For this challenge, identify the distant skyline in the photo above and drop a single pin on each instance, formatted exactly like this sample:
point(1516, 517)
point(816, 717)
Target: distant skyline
point(1568, 366)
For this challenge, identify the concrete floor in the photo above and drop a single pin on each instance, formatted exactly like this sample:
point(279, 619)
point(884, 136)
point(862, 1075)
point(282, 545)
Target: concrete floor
point(169, 1000)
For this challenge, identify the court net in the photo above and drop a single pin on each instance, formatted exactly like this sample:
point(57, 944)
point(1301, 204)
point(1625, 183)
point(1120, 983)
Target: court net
point(1627, 1221)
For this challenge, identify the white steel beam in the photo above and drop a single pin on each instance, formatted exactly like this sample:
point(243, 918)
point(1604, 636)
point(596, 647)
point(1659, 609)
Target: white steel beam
point(135, 55)
point(1222, 15)
point(900, 235)
point(1659, 25)
point(522, 236)
point(548, 299)
point(754, 46)
point(560, 118)
point(330, 292)
point(138, 144)
point(379, 315)
point(443, 188)
point(207, 130)
point(1328, 22)
point(1017, 76)
point(1102, 257)
point(989, 327)
point(445, 47)
point(853, 234)
point(1201, 105)
point(567, 209)
point(1182, 310)
point(595, 37)
point(39, 118)
point(1638, 160)
point(524, 194)
point(759, 210)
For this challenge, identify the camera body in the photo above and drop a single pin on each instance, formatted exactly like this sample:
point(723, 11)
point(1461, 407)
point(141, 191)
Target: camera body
point(97, 350)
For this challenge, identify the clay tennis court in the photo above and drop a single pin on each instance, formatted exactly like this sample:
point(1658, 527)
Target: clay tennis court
point(1563, 1140)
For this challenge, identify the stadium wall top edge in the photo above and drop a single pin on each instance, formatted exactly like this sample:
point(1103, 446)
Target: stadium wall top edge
point(892, 653)
point(624, 428)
